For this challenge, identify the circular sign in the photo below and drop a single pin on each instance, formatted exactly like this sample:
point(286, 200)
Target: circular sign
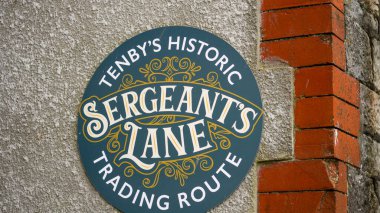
point(170, 122)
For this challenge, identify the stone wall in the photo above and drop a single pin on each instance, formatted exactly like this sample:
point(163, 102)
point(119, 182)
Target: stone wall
point(363, 62)
point(50, 49)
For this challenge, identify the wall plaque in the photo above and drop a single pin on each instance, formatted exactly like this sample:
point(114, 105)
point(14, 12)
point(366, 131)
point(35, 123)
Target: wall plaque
point(170, 122)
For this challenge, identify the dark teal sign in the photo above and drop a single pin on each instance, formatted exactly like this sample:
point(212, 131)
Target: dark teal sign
point(170, 122)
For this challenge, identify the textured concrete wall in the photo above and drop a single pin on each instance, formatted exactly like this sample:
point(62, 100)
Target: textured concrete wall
point(50, 49)
point(363, 62)
point(276, 82)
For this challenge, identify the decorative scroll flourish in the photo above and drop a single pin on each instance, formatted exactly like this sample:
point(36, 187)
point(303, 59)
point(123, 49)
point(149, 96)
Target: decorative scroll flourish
point(169, 69)
point(211, 80)
point(158, 120)
point(113, 143)
point(128, 82)
point(218, 134)
point(179, 170)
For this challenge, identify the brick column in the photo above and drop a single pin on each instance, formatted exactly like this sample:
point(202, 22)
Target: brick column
point(309, 36)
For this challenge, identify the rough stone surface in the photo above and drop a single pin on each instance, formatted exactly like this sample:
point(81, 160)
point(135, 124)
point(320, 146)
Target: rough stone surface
point(376, 62)
point(363, 182)
point(364, 191)
point(377, 189)
point(370, 157)
point(371, 6)
point(276, 85)
point(362, 195)
point(370, 112)
point(358, 47)
point(49, 51)
point(363, 62)
point(362, 41)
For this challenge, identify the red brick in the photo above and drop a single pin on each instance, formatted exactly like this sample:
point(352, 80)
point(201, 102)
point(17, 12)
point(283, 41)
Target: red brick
point(301, 202)
point(281, 4)
point(327, 111)
point(303, 21)
point(303, 175)
point(306, 51)
point(327, 143)
point(326, 80)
